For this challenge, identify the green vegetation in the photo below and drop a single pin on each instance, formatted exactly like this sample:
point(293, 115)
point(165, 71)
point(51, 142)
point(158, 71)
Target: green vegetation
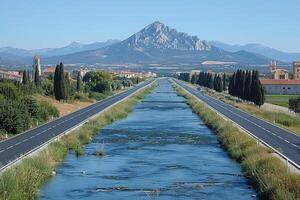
point(265, 171)
point(246, 85)
point(23, 180)
point(20, 111)
point(280, 100)
point(98, 81)
point(17, 103)
point(284, 120)
point(294, 104)
point(243, 84)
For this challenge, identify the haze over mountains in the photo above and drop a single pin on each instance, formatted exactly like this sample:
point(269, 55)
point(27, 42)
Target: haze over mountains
point(259, 49)
point(154, 44)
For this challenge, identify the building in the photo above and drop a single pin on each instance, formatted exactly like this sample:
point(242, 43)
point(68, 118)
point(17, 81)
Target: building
point(129, 74)
point(49, 71)
point(10, 75)
point(296, 70)
point(277, 73)
point(36, 65)
point(82, 72)
point(281, 86)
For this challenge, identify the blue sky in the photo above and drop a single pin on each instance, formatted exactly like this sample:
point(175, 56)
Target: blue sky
point(55, 23)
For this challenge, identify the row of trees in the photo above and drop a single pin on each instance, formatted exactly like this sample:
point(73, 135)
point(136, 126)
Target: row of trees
point(206, 79)
point(246, 85)
point(216, 82)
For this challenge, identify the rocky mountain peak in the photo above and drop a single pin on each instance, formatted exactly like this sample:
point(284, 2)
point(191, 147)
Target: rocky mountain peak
point(158, 35)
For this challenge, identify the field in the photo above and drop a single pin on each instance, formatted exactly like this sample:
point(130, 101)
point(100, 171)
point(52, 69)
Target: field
point(64, 108)
point(280, 100)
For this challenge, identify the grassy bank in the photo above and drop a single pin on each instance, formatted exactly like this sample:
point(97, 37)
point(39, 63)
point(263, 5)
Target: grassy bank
point(281, 119)
point(23, 180)
point(265, 171)
point(280, 100)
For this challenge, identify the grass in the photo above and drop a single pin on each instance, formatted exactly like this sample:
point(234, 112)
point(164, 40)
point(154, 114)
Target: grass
point(23, 180)
point(280, 100)
point(283, 120)
point(265, 171)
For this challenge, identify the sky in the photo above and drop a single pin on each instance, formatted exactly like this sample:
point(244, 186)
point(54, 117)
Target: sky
point(32, 24)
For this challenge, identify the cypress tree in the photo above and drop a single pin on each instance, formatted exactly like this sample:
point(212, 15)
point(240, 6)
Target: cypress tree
point(194, 78)
point(258, 99)
point(62, 82)
point(215, 82)
point(56, 83)
point(28, 76)
point(248, 85)
point(78, 83)
point(37, 78)
point(24, 81)
point(67, 86)
point(243, 86)
point(224, 82)
point(233, 85)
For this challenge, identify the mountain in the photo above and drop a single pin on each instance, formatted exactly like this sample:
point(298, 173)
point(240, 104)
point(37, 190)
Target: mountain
point(159, 44)
point(71, 48)
point(259, 49)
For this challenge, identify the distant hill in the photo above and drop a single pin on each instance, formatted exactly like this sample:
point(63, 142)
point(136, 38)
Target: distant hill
point(11, 55)
point(259, 49)
point(159, 44)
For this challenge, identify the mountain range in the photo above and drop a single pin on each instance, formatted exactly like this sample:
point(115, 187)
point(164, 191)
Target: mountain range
point(259, 49)
point(154, 44)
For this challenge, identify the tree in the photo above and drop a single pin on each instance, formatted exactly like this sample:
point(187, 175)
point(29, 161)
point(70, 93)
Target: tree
point(62, 82)
point(224, 82)
point(56, 83)
point(248, 83)
point(78, 83)
point(243, 85)
point(218, 86)
point(258, 98)
point(37, 78)
point(194, 78)
point(294, 104)
point(98, 81)
point(25, 80)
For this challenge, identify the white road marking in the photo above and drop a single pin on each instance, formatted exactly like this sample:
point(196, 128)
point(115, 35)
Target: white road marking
point(212, 101)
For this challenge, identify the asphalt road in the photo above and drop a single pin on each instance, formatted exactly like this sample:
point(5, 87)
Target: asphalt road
point(22, 144)
point(286, 142)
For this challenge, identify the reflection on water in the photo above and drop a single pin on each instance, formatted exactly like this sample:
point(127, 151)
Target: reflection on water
point(160, 151)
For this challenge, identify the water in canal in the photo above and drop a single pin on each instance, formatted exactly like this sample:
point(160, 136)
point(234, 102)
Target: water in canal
point(160, 151)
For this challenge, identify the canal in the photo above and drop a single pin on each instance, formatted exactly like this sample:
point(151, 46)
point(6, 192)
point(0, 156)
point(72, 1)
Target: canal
point(162, 150)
